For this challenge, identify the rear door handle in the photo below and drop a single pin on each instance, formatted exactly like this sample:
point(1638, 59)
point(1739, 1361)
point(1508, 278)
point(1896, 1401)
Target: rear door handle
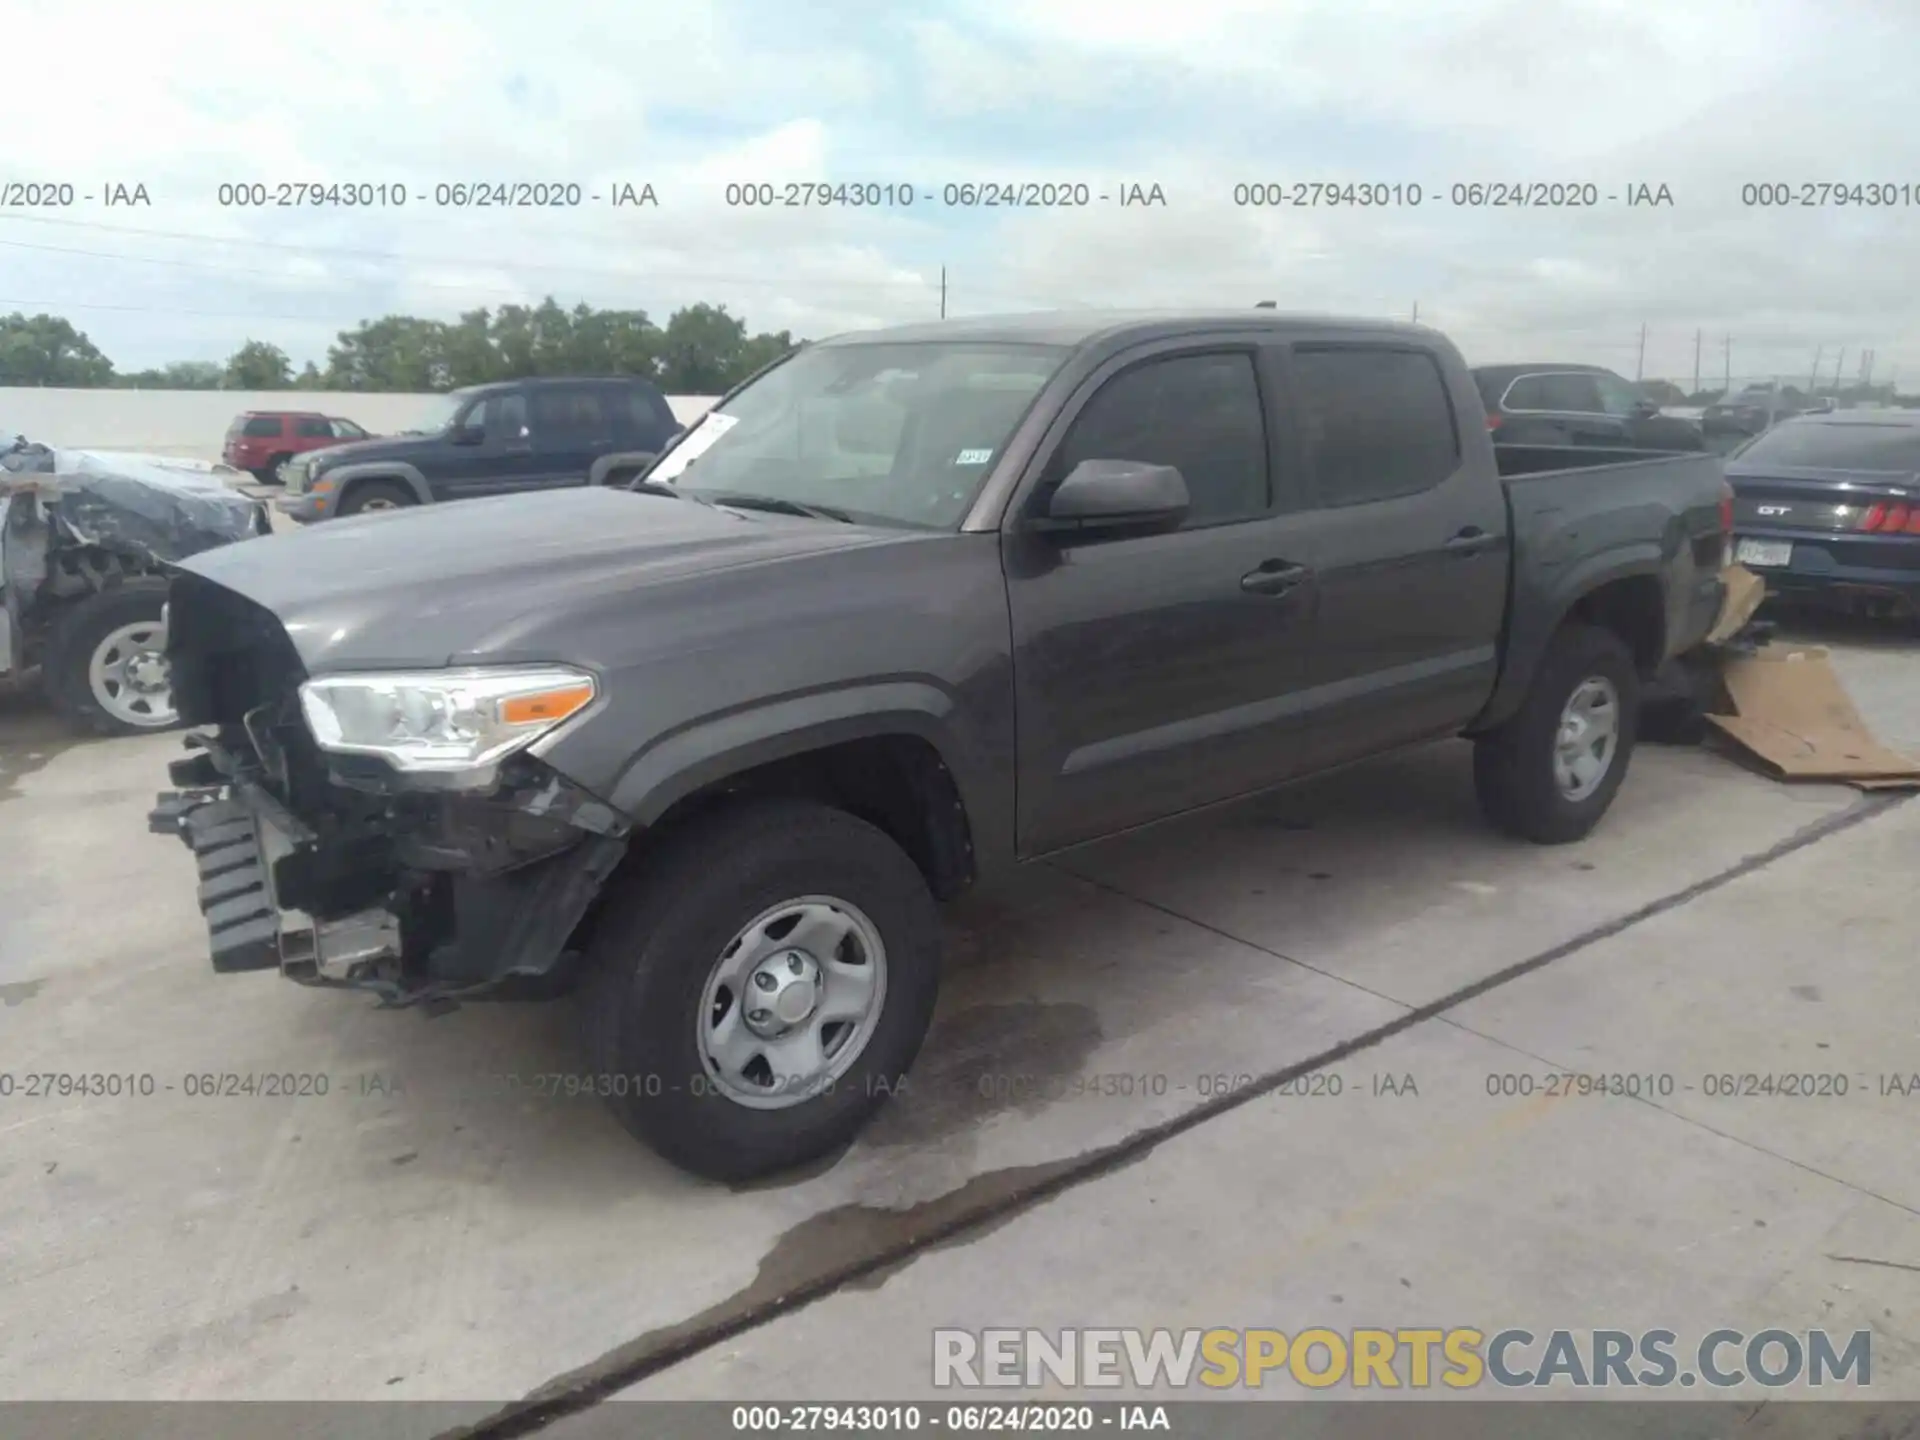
point(1274, 577)
point(1472, 541)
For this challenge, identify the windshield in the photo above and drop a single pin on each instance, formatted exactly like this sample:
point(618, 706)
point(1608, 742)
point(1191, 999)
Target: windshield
point(436, 413)
point(900, 434)
point(1813, 445)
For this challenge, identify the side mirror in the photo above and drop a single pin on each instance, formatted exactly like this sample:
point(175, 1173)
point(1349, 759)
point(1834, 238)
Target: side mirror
point(466, 435)
point(1106, 495)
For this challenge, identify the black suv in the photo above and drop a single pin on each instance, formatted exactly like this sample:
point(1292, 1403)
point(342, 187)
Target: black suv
point(1577, 405)
point(534, 434)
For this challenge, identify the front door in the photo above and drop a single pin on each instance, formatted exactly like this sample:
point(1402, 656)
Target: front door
point(1156, 673)
point(496, 463)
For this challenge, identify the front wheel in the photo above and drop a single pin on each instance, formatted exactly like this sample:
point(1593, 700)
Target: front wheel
point(762, 987)
point(106, 667)
point(1551, 771)
point(371, 495)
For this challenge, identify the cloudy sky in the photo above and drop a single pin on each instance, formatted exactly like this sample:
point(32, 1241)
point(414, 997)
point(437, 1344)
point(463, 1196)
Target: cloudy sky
point(1196, 97)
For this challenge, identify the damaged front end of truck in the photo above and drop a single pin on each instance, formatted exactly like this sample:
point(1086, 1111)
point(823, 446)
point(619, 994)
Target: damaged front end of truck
point(391, 832)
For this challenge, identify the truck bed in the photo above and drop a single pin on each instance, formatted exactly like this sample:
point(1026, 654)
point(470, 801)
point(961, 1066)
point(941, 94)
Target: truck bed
point(1575, 511)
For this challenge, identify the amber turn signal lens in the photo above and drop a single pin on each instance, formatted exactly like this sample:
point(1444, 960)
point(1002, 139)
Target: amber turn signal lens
point(545, 706)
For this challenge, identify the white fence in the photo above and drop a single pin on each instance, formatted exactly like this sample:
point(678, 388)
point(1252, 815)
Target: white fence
point(194, 422)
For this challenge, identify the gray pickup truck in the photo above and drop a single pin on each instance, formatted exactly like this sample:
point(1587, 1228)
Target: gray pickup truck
point(908, 609)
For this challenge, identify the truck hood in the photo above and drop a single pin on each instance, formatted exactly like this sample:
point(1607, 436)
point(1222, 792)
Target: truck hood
point(497, 580)
point(374, 447)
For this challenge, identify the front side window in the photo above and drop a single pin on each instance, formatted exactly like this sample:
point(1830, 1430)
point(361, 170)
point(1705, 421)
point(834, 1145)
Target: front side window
point(564, 414)
point(500, 417)
point(1617, 397)
point(897, 433)
point(1200, 414)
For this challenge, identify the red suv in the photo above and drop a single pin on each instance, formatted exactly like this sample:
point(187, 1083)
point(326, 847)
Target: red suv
point(263, 440)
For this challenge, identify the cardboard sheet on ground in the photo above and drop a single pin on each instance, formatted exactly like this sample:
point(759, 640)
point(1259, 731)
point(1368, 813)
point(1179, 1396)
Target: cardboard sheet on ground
point(1791, 713)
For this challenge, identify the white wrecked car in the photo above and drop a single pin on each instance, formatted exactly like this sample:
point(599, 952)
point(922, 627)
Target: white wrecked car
point(87, 540)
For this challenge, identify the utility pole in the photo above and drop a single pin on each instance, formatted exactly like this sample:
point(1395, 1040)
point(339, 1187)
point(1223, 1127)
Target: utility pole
point(1729, 342)
point(1838, 361)
point(1696, 363)
point(1640, 362)
point(943, 292)
point(1416, 312)
point(1813, 375)
point(1866, 371)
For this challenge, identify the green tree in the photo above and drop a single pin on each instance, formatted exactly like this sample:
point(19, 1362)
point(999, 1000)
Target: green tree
point(257, 365)
point(47, 350)
point(703, 350)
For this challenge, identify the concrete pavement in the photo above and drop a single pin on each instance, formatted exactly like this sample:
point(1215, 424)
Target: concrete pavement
point(441, 1224)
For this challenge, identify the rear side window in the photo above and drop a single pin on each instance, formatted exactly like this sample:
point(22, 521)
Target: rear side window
point(566, 414)
point(1198, 413)
point(1555, 392)
point(312, 427)
point(262, 427)
point(1376, 422)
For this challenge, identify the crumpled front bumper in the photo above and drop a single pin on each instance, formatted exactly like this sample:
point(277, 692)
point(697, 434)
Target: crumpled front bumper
point(278, 895)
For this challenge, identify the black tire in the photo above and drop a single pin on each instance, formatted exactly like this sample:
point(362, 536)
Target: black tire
point(1513, 767)
point(376, 495)
point(654, 948)
point(79, 630)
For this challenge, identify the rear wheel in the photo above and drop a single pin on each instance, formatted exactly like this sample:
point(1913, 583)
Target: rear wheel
point(762, 987)
point(274, 472)
point(376, 495)
point(1551, 772)
point(105, 668)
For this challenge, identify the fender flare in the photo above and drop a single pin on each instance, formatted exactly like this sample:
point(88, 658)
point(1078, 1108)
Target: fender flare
point(1527, 644)
point(716, 747)
point(638, 459)
point(344, 476)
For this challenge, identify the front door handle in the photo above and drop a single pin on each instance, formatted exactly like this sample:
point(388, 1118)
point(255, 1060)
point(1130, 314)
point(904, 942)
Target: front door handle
point(1472, 541)
point(1274, 577)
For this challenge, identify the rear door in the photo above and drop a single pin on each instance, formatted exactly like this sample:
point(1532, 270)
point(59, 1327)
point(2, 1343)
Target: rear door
point(311, 432)
point(572, 427)
point(1158, 673)
point(1411, 543)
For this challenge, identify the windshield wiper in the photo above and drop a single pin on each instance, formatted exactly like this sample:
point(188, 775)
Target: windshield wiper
point(661, 487)
point(778, 506)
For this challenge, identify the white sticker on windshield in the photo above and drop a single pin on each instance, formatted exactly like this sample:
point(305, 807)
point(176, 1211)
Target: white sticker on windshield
point(973, 457)
point(707, 429)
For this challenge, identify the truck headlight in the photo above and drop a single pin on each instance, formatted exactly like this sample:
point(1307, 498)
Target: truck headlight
point(442, 721)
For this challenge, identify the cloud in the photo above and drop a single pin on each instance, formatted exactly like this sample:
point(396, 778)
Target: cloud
point(1197, 97)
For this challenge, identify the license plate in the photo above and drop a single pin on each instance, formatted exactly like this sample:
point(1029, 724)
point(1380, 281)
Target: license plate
point(1764, 552)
